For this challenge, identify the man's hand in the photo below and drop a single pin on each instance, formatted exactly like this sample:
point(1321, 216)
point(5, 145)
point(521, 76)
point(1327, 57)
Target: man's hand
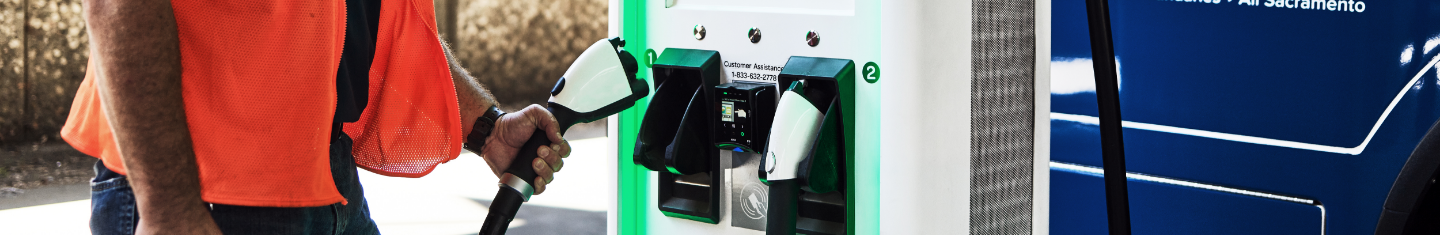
point(511, 132)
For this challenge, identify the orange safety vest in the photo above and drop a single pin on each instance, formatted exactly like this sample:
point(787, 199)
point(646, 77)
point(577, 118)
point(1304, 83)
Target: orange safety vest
point(259, 90)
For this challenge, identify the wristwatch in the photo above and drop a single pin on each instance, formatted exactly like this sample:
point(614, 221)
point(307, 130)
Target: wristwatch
point(475, 142)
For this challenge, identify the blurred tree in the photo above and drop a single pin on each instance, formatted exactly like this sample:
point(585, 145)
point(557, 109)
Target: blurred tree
point(12, 70)
point(56, 51)
point(518, 49)
point(43, 54)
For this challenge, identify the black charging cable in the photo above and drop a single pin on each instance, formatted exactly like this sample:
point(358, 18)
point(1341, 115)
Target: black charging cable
point(1107, 94)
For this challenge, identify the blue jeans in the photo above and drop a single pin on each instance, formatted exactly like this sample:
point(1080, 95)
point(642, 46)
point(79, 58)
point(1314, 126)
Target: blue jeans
point(113, 205)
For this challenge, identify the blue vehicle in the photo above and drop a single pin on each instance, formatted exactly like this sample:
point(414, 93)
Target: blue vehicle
point(1253, 117)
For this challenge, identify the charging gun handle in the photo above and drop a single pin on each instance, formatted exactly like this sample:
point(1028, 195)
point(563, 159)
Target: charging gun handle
point(784, 207)
point(511, 196)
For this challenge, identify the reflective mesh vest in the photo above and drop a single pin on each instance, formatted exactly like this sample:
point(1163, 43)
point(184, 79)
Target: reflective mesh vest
point(259, 90)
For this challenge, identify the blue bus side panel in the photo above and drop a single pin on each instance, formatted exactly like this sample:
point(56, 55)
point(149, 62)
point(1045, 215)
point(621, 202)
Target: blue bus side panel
point(1079, 208)
point(1284, 97)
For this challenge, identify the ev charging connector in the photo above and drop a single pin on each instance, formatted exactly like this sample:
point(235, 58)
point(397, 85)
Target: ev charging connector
point(600, 83)
point(806, 155)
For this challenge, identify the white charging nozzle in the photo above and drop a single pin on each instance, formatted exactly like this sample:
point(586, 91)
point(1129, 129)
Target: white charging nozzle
point(600, 83)
point(797, 123)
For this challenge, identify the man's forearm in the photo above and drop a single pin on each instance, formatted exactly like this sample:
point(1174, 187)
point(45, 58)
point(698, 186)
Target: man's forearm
point(137, 49)
point(474, 99)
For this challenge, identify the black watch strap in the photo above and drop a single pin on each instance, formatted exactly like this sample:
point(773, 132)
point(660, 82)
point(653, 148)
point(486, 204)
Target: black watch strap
point(485, 124)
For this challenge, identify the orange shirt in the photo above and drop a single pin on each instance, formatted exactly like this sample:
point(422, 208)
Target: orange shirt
point(258, 81)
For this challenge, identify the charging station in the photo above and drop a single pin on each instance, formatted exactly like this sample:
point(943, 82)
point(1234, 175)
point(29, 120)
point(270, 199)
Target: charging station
point(775, 117)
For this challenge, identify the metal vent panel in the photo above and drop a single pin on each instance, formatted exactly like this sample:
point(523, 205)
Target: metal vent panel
point(1002, 110)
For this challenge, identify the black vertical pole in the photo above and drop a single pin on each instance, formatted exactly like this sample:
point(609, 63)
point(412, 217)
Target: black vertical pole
point(1107, 93)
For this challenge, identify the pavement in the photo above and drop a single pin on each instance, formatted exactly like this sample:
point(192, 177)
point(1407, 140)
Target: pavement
point(451, 200)
point(45, 195)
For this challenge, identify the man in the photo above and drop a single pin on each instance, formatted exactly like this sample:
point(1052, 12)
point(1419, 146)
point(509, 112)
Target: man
point(237, 116)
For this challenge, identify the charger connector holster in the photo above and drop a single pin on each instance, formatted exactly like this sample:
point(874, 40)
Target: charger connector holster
point(676, 136)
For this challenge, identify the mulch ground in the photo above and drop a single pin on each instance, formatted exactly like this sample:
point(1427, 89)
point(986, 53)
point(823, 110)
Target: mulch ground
point(36, 165)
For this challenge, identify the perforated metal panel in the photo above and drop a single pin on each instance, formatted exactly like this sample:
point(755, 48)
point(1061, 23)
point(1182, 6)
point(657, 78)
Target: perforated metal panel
point(1002, 109)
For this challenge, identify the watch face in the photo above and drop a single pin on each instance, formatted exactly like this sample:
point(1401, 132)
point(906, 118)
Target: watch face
point(481, 129)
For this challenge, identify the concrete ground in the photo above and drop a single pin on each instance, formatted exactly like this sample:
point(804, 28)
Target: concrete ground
point(451, 200)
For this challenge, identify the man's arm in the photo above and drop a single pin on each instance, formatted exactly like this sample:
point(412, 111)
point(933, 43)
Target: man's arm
point(511, 131)
point(138, 53)
point(474, 99)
